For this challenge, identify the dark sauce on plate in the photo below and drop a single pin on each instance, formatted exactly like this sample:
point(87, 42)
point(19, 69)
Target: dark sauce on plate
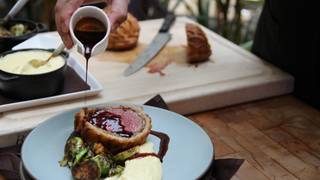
point(140, 155)
point(164, 143)
point(89, 31)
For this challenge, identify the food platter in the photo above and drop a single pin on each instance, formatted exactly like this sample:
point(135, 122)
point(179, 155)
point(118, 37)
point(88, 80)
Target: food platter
point(189, 155)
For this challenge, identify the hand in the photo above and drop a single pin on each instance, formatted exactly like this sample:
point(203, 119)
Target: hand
point(117, 12)
point(63, 11)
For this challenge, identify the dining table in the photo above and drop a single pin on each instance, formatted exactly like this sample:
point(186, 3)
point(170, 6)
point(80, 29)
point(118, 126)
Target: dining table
point(278, 138)
point(248, 110)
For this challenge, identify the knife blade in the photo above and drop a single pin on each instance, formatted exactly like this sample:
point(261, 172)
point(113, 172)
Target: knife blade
point(158, 42)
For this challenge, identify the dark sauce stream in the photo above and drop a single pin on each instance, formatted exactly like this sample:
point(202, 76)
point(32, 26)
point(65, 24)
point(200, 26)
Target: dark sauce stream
point(89, 32)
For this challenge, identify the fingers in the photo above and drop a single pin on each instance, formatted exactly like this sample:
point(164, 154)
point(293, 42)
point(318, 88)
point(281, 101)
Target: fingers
point(116, 19)
point(118, 12)
point(65, 8)
point(63, 12)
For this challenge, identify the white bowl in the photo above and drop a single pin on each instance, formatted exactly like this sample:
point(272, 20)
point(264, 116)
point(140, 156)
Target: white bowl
point(90, 11)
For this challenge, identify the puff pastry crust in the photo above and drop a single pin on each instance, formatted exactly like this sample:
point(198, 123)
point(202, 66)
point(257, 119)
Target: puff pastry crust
point(198, 49)
point(126, 35)
point(112, 141)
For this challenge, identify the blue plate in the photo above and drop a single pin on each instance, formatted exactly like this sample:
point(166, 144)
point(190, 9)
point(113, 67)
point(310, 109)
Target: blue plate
point(189, 155)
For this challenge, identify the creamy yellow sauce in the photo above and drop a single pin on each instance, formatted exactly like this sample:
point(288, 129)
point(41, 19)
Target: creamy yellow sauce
point(146, 168)
point(19, 62)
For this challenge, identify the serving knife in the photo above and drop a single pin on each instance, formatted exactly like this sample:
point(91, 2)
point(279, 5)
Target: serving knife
point(158, 42)
point(14, 10)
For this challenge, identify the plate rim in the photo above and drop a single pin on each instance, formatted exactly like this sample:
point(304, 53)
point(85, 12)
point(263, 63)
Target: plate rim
point(124, 104)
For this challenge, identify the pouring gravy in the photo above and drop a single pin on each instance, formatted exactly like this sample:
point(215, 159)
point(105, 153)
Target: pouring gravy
point(89, 32)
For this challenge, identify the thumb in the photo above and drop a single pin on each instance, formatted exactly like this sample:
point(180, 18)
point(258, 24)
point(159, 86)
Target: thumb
point(117, 12)
point(116, 19)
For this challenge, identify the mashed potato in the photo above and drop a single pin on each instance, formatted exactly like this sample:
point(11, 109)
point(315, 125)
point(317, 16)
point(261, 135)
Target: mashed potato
point(146, 168)
point(19, 62)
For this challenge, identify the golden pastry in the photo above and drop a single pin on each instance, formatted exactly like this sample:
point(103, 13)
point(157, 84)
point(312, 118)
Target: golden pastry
point(116, 127)
point(126, 35)
point(198, 49)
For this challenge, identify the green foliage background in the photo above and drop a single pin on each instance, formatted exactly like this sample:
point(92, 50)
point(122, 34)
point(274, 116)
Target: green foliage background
point(234, 28)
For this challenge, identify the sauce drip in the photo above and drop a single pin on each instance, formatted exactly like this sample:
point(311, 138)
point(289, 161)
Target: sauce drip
point(164, 143)
point(108, 121)
point(89, 32)
point(140, 155)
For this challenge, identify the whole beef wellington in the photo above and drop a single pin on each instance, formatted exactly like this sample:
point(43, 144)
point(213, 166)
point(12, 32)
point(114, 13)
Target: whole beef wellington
point(126, 36)
point(198, 49)
point(116, 127)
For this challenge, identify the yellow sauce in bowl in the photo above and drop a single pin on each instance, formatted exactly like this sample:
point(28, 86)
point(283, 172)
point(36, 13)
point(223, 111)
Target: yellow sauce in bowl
point(19, 62)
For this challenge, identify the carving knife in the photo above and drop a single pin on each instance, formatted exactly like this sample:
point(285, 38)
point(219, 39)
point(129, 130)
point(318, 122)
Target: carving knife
point(158, 42)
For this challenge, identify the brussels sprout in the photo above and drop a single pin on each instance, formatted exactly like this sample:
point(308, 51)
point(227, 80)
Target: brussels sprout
point(18, 29)
point(116, 170)
point(103, 163)
point(80, 155)
point(94, 168)
point(86, 170)
point(73, 146)
point(75, 151)
point(122, 156)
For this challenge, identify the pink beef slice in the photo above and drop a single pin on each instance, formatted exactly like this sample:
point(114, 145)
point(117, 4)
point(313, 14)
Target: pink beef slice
point(130, 120)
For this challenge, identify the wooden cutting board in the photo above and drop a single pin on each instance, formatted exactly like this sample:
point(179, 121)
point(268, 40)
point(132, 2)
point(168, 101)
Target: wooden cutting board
point(231, 76)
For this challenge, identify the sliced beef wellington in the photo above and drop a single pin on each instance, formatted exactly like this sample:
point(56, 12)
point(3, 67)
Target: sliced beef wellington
point(198, 49)
point(116, 127)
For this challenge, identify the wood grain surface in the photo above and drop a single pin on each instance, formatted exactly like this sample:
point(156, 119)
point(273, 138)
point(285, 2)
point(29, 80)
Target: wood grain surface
point(279, 138)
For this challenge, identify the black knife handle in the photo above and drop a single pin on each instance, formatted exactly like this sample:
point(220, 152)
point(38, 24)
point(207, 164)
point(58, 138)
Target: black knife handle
point(168, 21)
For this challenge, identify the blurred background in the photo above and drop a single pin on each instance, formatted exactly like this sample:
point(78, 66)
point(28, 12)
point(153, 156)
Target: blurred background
point(235, 20)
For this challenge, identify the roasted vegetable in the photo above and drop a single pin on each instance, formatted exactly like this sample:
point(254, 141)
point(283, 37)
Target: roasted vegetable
point(75, 150)
point(15, 30)
point(98, 148)
point(18, 29)
point(94, 168)
point(86, 170)
point(117, 170)
point(79, 156)
point(92, 161)
point(74, 146)
point(122, 156)
point(103, 163)
point(4, 32)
